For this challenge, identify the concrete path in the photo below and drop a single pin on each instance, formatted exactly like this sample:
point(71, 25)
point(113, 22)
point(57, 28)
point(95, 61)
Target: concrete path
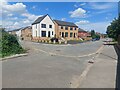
point(103, 72)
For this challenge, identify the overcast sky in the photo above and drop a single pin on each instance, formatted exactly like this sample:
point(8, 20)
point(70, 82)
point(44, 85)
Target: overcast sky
point(87, 15)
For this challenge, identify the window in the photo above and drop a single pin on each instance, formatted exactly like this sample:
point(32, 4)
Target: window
point(48, 33)
point(75, 28)
point(52, 32)
point(66, 34)
point(71, 34)
point(71, 28)
point(36, 33)
point(76, 34)
point(43, 34)
point(43, 25)
point(50, 26)
point(62, 34)
point(36, 26)
point(66, 28)
point(61, 27)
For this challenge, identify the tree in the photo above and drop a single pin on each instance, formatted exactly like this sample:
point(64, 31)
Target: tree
point(93, 34)
point(113, 30)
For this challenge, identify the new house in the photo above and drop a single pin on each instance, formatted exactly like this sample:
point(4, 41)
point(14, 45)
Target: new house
point(43, 28)
point(66, 30)
point(16, 32)
point(26, 33)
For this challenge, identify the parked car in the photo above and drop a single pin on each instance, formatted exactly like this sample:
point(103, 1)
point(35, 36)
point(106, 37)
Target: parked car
point(52, 39)
point(95, 39)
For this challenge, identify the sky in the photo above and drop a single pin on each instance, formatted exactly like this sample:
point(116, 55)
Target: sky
point(87, 15)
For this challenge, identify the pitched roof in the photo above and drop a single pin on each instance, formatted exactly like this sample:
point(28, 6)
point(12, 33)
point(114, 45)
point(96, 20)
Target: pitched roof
point(16, 29)
point(39, 19)
point(20, 29)
point(27, 27)
point(63, 23)
point(81, 30)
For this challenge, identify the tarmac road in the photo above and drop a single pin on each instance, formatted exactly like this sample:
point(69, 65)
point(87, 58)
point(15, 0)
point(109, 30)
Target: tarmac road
point(40, 69)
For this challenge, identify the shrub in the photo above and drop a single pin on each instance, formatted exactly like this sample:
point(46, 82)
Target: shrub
point(9, 44)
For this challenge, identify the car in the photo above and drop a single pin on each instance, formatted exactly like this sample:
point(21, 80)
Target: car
point(95, 39)
point(54, 39)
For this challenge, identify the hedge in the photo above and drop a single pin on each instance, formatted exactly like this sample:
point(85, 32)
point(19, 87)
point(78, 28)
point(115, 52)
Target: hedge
point(9, 44)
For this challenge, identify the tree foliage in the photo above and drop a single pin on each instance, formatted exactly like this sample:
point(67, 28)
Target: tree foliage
point(94, 35)
point(9, 44)
point(113, 30)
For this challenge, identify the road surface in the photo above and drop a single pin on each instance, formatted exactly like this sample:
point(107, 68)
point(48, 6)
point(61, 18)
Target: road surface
point(48, 66)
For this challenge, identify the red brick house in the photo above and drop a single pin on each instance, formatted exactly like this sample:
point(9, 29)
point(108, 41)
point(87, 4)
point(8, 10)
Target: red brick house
point(83, 34)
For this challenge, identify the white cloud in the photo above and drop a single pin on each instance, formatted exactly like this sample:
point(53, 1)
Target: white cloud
point(101, 6)
point(75, 5)
point(14, 18)
point(78, 13)
point(18, 7)
point(16, 24)
point(63, 19)
point(82, 4)
point(26, 21)
point(9, 10)
point(9, 15)
point(78, 5)
point(99, 26)
point(30, 16)
point(11, 18)
point(16, 15)
point(82, 22)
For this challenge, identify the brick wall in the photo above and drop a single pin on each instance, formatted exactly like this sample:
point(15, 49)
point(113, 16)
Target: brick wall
point(26, 33)
point(59, 32)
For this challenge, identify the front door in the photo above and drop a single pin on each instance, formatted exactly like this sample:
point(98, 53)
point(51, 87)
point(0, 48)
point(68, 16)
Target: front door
point(74, 35)
point(48, 33)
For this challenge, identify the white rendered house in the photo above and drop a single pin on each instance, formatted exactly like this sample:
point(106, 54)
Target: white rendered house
point(43, 27)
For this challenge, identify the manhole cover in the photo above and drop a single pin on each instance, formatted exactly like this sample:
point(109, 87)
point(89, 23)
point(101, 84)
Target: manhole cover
point(58, 50)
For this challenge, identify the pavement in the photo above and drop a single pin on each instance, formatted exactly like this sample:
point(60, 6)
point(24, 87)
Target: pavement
point(43, 70)
point(103, 72)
